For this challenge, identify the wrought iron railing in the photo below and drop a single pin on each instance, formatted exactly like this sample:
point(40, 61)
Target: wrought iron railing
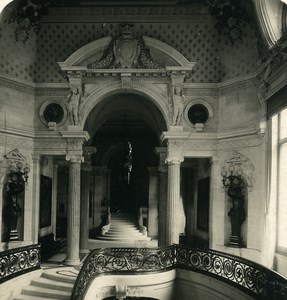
point(15, 262)
point(252, 278)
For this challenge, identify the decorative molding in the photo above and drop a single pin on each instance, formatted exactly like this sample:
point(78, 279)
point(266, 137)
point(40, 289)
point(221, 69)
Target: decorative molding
point(201, 92)
point(15, 156)
point(239, 86)
point(135, 291)
point(149, 90)
point(52, 92)
point(17, 85)
point(160, 13)
point(11, 141)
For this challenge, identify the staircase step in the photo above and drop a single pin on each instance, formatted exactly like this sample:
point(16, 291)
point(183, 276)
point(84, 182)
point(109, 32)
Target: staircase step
point(59, 278)
point(137, 233)
point(52, 284)
point(121, 229)
point(29, 297)
point(46, 293)
point(126, 238)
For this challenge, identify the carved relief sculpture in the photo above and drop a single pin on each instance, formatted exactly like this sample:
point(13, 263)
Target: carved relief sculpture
point(178, 98)
point(126, 51)
point(74, 104)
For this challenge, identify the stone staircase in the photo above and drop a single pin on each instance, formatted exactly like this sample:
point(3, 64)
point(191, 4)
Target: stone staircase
point(55, 283)
point(123, 228)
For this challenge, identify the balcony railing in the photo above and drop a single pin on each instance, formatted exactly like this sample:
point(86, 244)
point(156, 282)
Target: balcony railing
point(251, 278)
point(18, 261)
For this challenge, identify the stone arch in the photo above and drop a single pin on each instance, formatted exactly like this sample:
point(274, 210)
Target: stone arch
point(172, 69)
point(98, 94)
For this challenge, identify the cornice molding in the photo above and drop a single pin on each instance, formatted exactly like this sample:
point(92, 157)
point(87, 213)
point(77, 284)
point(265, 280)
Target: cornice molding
point(131, 13)
point(238, 84)
point(19, 85)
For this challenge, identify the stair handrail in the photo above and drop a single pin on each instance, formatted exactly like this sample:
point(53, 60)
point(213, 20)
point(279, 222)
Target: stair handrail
point(107, 226)
point(245, 275)
point(142, 214)
point(18, 261)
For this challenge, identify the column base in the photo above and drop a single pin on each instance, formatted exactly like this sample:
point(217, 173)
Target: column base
point(235, 241)
point(72, 262)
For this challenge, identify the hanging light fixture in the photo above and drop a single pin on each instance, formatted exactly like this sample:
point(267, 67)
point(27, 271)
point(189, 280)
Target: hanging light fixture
point(129, 161)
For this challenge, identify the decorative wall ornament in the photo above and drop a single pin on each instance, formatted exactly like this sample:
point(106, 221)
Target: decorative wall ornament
point(126, 51)
point(75, 99)
point(135, 291)
point(53, 111)
point(198, 112)
point(231, 17)
point(26, 15)
point(237, 162)
point(275, 57)
point(177, 104)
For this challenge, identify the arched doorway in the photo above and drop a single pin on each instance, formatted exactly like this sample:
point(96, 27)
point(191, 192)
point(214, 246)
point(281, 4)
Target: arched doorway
point(125, 129)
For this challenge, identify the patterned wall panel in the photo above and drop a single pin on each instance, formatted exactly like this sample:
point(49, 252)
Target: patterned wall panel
point(17, 60)
point(197, 40)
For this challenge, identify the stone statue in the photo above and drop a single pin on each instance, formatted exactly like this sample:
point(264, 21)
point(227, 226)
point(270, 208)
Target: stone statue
point(74, 103)
point(236, 213)
point(177, 104)
point(237, 216)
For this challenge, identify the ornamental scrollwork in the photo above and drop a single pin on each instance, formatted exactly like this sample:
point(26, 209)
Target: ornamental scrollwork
point(245, 275)
point(18, 261)
point(126, 51)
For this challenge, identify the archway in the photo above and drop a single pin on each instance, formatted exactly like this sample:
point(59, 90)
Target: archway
point(125, 128)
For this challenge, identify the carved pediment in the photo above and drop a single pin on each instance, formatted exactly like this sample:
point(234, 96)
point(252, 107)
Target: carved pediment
point(15, 156)
point(126, 51)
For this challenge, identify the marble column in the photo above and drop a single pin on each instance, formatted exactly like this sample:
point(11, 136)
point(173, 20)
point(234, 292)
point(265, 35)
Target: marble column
point(73, 215)
point(162, 198)
point(54, 200)
point(173, 197)
point(84, 216)
point(98, 192)
point(36, 197)
point(153, 203)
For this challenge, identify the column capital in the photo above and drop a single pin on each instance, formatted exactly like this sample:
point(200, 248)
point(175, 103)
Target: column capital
point(174, 160)
point(75, 158)
point(75, 141)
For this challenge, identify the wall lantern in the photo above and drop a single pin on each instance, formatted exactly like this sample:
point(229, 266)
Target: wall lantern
point(18, 176)
point(231, 176)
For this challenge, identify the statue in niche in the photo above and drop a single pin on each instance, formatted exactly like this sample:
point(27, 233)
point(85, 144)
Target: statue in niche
point(74, 104)
point(178, 98)
point(236, 213)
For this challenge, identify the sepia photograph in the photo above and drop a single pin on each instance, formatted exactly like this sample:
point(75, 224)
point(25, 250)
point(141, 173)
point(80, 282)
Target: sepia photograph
point(143, 149)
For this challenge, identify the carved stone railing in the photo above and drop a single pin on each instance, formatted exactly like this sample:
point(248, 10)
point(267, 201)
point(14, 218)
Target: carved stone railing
point(18, 261)
point(251, 278)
